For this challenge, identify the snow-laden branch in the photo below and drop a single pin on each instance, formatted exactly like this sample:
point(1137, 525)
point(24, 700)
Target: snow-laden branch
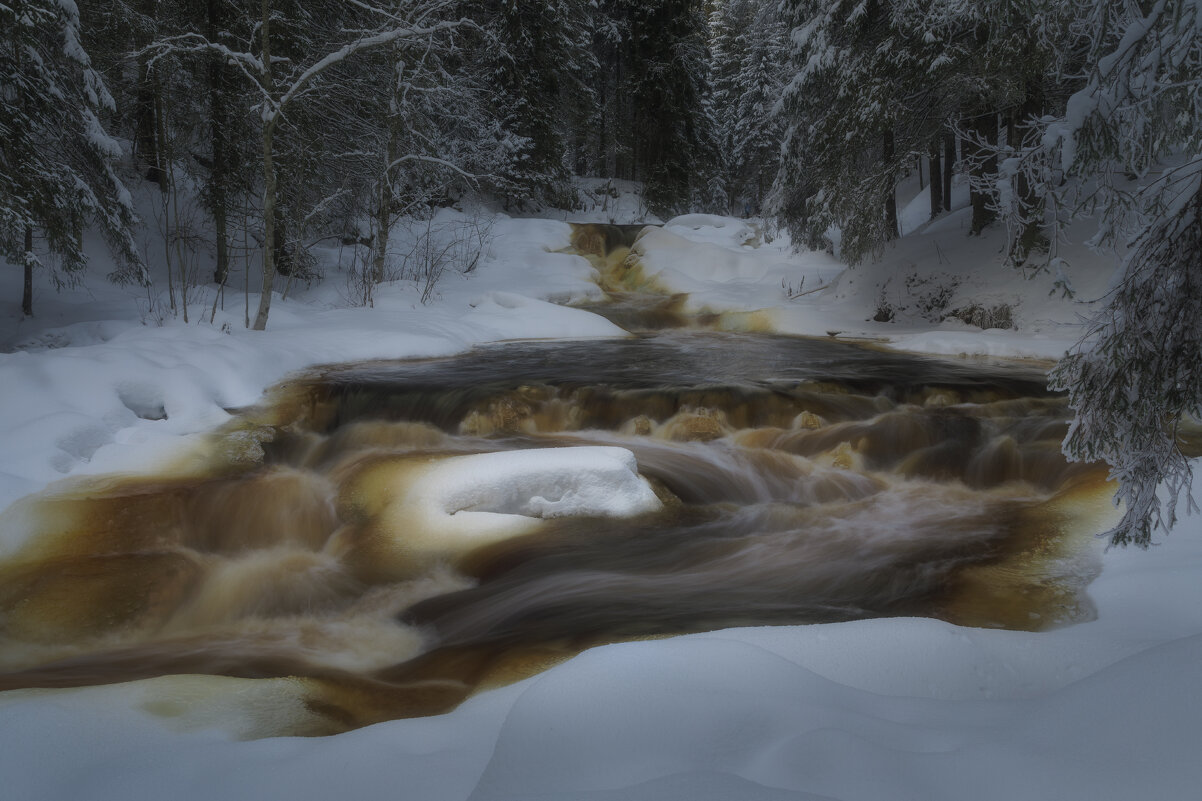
point(248, 63)
point(429, 10)
point(341, 54)
point(432, 160)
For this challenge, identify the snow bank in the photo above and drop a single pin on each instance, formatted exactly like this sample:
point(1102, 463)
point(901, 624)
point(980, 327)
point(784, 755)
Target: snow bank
point(724, 266)
point(525, 257)
point(508, 315)
point(718, 230)
point(957, 339)
point(930, 285)
point(683, 262)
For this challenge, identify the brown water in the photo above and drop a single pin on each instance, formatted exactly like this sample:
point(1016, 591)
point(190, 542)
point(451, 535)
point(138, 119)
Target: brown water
point(802, 480)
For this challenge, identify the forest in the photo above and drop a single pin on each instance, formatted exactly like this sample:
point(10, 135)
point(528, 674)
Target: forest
point(343, 116)
point(271, 127)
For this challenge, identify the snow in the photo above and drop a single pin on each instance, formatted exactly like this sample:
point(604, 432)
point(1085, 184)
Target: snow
point(78, 394)
point(104, 379)
point(606, 200)
point(456, 504)
point(732, 266)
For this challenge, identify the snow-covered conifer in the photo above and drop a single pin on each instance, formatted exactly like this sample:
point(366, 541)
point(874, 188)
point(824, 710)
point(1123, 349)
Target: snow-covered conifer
point(876, 85)
point(849, 109)
point(56, 160)
point(666, 82)
point(749, 66)
point(541, 64)
point(756, 129)
point(1130, 145)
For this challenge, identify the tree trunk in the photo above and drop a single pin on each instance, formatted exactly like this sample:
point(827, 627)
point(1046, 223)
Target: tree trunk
point(221, 271)
point(269, 190)
point(269, 187)
point(936, 179)
point(219, 121)
point(283, 256)
point(383, 218)
point(145, 140)
point(146, 108)
point(170, 209)
point(949, 165)
point(27, 292)
point(891, 227)
point(146, 137)
point(1032, 236)
point(983, 166)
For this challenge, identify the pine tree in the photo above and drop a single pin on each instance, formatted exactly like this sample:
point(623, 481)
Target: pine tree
point(56, 161)
point(876, 86)
point(850, 138)
point(749, 52)
point(729, 23)
point(200, 105)
point(610, 154)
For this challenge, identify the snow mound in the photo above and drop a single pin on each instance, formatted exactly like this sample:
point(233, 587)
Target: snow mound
point(456, 504)
point(728, 231)
point(528, 256)
point(537, 483)
point(684, 263)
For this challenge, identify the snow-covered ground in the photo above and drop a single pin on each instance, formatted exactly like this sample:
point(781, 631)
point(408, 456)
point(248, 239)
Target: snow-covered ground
point(103, 380)
point(922, 280)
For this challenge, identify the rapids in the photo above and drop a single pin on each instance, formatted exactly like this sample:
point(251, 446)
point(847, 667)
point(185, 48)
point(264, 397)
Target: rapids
point(799, 481)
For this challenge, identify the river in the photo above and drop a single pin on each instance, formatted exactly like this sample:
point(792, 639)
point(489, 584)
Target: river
point(799, 481)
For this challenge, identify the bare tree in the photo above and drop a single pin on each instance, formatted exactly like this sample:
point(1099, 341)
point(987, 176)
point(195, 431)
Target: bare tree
point(283, 85)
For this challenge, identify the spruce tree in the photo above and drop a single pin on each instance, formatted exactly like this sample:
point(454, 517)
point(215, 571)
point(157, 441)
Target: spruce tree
point(849, 137)
point(56, 161)
point(671, 134)
point(729, 23)
point(877, 84)
point(755, 128)
point(1136, 374)
point(542, 62)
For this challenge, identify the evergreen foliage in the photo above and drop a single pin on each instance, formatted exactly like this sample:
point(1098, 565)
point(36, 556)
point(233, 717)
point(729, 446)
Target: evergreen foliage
point(655, 120)
point(749, 41)
point(541, 66)
point(1136, 374)
point(875, 86)
point(56, 160)
point(671, 133)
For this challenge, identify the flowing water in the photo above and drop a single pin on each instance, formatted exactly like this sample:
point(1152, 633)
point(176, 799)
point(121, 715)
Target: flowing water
point(801, 481)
